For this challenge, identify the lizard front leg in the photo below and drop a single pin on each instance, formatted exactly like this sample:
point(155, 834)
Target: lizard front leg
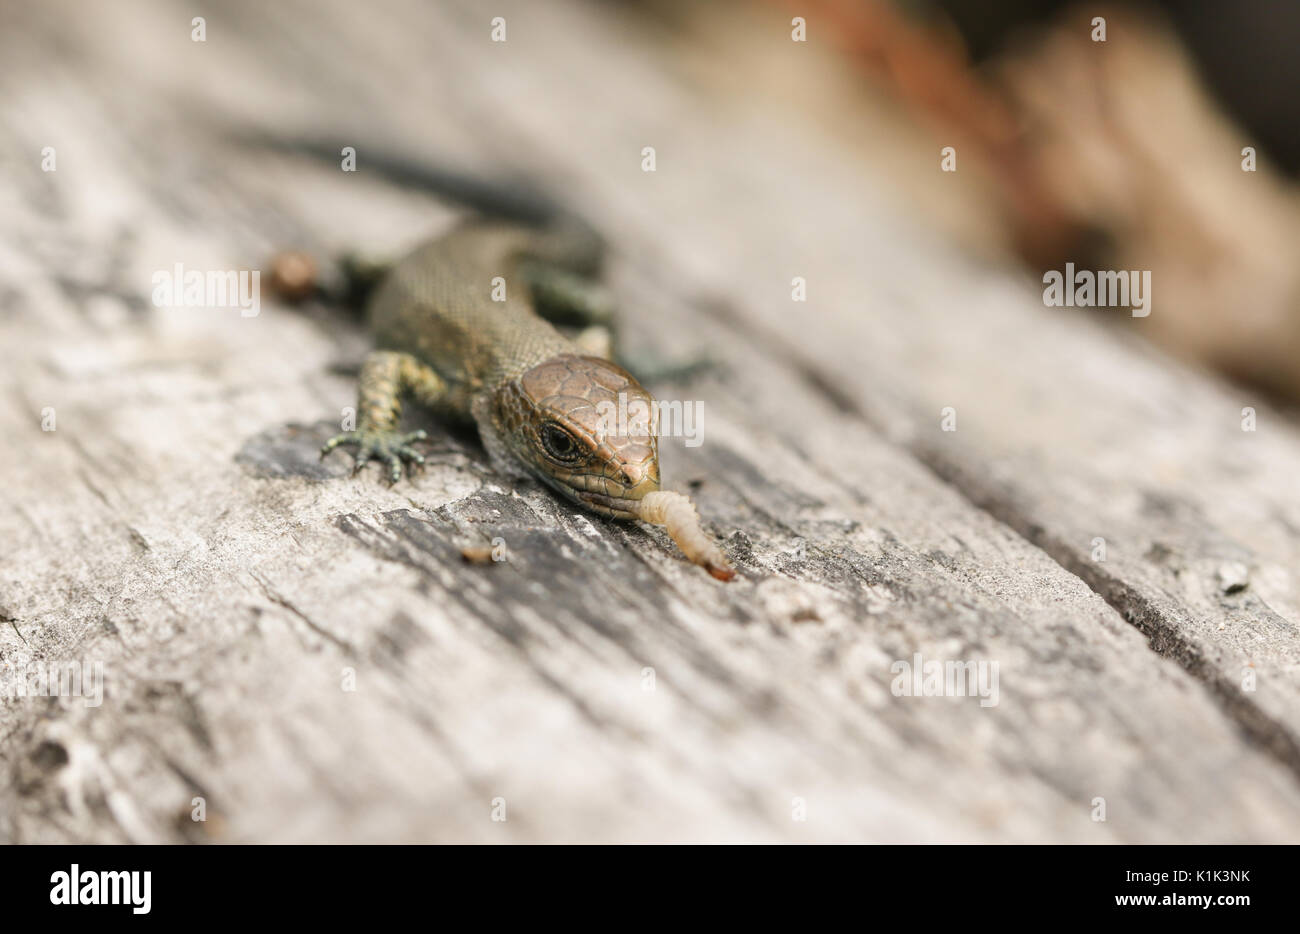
point(570, 300)
point(385, 377)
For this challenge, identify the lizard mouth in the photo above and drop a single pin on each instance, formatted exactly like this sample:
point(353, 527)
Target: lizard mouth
point(616, 507)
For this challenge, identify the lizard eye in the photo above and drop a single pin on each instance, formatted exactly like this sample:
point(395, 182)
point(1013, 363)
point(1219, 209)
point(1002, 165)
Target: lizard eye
point(559, 443)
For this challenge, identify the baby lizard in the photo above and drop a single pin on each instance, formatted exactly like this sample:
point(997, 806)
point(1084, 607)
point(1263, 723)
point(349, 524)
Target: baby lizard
point(457, 328)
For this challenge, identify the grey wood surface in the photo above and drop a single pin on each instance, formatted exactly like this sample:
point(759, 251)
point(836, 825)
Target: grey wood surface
point(177, 528)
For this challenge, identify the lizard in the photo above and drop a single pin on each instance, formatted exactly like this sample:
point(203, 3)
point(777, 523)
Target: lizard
point(442, 339)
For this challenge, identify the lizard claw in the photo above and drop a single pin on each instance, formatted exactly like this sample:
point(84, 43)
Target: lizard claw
point(411, 454)
point(382, 445)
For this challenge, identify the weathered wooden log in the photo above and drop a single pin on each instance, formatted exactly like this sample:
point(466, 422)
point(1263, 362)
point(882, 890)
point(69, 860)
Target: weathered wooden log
point(310, 655)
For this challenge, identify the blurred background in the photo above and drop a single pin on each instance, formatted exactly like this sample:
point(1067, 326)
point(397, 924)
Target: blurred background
point(1126, 153)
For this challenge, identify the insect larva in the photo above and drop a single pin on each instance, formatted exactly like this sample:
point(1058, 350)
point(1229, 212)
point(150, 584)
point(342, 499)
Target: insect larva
point(677, 514)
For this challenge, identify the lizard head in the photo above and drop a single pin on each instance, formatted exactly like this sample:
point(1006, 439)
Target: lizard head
point(585, 426)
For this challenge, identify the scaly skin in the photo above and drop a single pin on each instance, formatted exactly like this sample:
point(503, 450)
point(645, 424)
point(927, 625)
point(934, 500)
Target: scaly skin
point(533, 394)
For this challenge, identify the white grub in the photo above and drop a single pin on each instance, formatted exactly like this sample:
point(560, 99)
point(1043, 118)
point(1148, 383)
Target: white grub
point(677, 514)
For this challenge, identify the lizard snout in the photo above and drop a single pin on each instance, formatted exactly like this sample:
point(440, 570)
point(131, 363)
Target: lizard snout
point(639, 475)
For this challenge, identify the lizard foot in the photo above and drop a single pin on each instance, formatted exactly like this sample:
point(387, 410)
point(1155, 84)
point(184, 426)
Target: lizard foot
point(382, 445)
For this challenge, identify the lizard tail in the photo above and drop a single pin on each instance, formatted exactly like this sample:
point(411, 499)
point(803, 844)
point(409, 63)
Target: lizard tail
point(510, 199)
